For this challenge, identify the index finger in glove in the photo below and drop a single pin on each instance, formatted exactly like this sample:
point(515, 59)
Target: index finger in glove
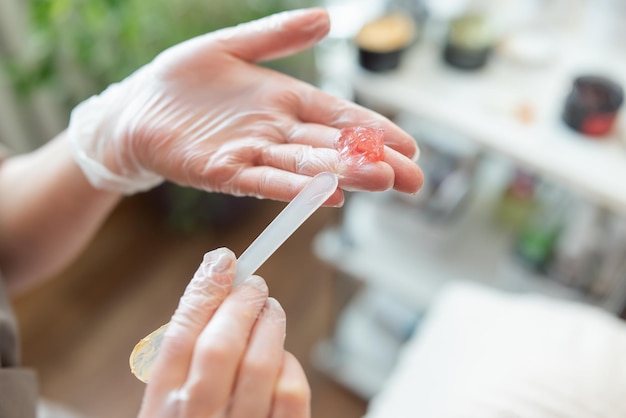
point(205, 292)
point(308, 160)
point(319, 154)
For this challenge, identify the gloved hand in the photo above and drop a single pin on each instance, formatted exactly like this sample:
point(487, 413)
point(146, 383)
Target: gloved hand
point(222, 354)
point(203, 114)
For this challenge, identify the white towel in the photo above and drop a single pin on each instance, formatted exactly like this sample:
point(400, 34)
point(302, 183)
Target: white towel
point(487, 354)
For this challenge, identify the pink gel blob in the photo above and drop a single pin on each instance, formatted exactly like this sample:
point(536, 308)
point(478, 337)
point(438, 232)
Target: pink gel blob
point(360, 144)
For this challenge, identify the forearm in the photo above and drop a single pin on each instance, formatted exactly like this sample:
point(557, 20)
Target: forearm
point(48, 213)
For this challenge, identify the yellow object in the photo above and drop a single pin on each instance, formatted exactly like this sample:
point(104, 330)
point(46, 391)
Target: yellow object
point(386, 34)
point(145, 352)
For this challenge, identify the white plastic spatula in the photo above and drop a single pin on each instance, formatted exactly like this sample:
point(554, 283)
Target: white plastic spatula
point(310, 198)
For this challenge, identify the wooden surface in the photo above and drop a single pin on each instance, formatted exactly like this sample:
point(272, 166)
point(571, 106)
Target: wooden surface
point(78, 329)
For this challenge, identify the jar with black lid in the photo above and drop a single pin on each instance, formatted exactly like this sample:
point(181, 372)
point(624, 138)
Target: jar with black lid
point(592, 105)
point(469, 42)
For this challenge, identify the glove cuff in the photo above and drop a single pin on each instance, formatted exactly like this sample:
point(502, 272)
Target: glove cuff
point(88, 144)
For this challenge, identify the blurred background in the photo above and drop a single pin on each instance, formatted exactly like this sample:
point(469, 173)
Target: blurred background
point(516, 107)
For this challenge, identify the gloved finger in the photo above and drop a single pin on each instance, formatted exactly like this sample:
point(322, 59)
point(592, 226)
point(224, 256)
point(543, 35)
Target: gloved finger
point(316, 106)
point(277, 36)
point(274, 183)
point(292, 396)
point(205, 292)
point(321, 136)
point(220, 349)
point(409, 178)
point(310, 161)
point(268, 38)
point(260, 368)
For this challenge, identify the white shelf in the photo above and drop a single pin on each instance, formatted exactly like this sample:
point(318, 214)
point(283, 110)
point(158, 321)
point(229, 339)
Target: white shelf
point(482, 106)
point(387, 244)
point(350, 372)
point(368, 336)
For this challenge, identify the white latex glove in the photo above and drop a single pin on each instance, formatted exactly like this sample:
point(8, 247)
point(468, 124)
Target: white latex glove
point(222, 355)
point(203, 114)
